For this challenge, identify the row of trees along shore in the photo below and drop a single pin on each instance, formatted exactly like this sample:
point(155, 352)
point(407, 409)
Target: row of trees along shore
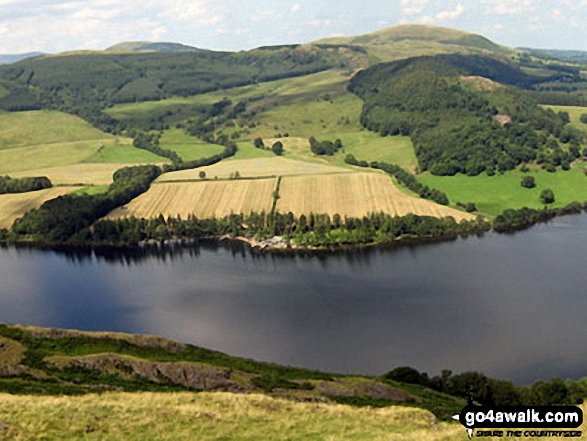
point(317, 230)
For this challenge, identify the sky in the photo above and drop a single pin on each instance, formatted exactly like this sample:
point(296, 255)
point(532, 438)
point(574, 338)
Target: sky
point(60, 25)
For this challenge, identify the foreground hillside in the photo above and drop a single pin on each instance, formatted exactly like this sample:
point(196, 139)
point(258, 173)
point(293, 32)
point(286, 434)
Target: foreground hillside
point(60, 384)
point(210, 416)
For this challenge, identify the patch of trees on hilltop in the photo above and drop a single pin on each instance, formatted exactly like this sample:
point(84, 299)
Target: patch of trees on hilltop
point(455, 129)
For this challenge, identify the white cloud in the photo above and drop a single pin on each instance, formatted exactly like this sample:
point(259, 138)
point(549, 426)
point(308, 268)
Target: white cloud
point(508, 7)
point(413, 7)
point(426, 19)
point(158, 33)
point(213, 19)
point(296, 7)
point(451, 15)
point(265, 15)
point(558, 15)
point(320, 23)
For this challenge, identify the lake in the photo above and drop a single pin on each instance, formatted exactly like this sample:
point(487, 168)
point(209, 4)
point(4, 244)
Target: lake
point(511, 306)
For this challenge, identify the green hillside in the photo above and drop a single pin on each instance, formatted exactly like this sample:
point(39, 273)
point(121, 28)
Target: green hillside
point(458, 127)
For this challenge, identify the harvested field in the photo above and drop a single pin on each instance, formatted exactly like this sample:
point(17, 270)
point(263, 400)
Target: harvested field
point(14, 206)
point(75, 174)
point(253, 168)
point(355, 195)
point(204, 199)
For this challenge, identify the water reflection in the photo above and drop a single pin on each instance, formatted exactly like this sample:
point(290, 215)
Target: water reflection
point(510, 306)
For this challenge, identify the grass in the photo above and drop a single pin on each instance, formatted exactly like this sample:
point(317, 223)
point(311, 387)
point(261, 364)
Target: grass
point(246, 150)
point(575, 114)
point(23, 129)
point(47, 155)
point(214, 416)
point(369, 146)
point(210, 416)
point(494, 194)
point(204, 199)
point(354, 194)
point(14, 206)
point(254, 168)
point(188, 147)
point(30, 141)
point(75, 174)
point(123, 154)
point(92, 190)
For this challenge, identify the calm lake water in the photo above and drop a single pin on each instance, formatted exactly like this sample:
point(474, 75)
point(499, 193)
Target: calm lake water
point(511, 306)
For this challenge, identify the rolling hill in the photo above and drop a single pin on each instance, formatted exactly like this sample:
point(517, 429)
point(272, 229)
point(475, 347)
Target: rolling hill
point(409, 40)
point(149, 46)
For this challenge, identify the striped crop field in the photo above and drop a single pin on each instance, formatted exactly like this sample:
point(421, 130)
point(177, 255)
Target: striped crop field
point(253, 168)
point(75, 174)
point(204, 199)
point(354, 195)
point(14, 206)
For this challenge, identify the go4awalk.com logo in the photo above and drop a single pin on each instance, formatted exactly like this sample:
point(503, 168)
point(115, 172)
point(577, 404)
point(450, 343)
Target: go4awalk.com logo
point(521, 421)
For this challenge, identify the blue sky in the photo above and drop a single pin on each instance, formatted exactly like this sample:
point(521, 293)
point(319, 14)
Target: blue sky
point(59, 25)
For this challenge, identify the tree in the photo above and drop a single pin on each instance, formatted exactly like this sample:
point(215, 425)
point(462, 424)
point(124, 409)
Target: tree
point(528, 182)
point(277, 148)
point(202, 175)
point(259, 143)
point(583, 118)
point(547, 196)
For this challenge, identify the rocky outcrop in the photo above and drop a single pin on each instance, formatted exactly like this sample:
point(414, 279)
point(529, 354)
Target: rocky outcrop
point(137, 340)
point(355, 387)
point(197, 376)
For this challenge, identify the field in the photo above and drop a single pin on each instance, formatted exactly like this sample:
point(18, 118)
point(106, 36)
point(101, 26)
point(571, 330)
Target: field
point(45, 127)
point(494, 194)
point(76, 174)
point(575, 114)
point(30, 141)
point(253, 168)
point(124, 154)
point(356, 195)
point(188, 147)
point(364, 145)
point(14, 206)
point(204, 199)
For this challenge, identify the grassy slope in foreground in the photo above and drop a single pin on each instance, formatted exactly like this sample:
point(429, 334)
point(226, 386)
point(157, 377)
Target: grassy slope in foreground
point(210, 416)
point(494, 194)
point(215, 416)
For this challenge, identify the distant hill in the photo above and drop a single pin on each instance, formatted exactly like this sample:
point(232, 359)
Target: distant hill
point(411, 40)
point(563, 55)
point(148, 46)
point(13, 58)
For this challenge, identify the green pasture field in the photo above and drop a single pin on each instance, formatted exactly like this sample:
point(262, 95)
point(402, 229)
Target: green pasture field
point(575, 114)
point(246, 150)
point(494, 194)
point(188, 147)
point(23, 129)
point(123, 154)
